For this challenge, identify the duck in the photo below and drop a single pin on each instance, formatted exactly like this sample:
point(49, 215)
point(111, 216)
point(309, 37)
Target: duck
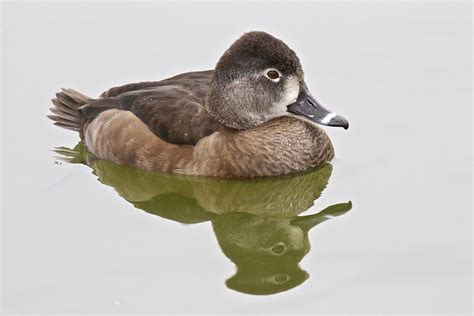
point(252, 116)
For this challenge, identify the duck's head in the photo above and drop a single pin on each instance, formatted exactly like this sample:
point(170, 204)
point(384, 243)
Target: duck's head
point(260, 78)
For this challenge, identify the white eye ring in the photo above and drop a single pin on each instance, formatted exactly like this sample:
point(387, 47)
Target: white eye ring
point(273, 74)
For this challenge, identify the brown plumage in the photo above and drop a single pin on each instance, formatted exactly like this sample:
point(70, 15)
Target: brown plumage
point(235, 121)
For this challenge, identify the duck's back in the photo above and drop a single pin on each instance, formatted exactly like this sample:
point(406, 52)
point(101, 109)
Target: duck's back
point(173, 109)
point(197, 82)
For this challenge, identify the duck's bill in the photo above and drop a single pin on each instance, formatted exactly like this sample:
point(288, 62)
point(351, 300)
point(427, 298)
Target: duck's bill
point(307, 106)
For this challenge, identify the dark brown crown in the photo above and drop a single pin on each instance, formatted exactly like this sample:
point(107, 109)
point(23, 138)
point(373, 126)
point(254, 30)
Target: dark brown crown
point(257, 51)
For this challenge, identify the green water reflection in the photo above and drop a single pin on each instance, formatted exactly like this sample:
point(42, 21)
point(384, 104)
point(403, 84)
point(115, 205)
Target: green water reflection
point(256, 222)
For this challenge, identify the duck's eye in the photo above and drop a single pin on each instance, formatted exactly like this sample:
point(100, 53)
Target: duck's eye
point(273, 74)
point(278, 248)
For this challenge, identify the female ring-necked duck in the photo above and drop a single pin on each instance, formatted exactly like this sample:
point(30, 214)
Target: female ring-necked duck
point(252, 116)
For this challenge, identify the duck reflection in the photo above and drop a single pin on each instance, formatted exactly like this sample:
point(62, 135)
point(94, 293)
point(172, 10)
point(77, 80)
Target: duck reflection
point(255, 221)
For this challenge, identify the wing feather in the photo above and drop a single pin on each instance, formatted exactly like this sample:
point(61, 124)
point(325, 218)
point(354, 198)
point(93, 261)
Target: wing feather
point(173, 109)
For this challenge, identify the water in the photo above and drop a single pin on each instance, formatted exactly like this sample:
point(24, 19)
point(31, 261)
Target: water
point(91, 236)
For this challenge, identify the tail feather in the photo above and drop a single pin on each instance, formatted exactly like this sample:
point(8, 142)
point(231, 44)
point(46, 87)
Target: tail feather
point(67, 126)
point(76, 95)
point(66, 109)
point(59, 106)
point(65, 114)
point(66, 101)
point(63, 120)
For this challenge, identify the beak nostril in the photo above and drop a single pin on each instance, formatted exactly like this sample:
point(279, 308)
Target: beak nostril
point(311, 102)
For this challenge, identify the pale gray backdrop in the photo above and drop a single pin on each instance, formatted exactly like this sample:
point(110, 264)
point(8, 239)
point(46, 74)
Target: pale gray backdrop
point(400, 72)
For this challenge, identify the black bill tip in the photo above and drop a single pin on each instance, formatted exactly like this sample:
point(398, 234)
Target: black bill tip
point(338, 121)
